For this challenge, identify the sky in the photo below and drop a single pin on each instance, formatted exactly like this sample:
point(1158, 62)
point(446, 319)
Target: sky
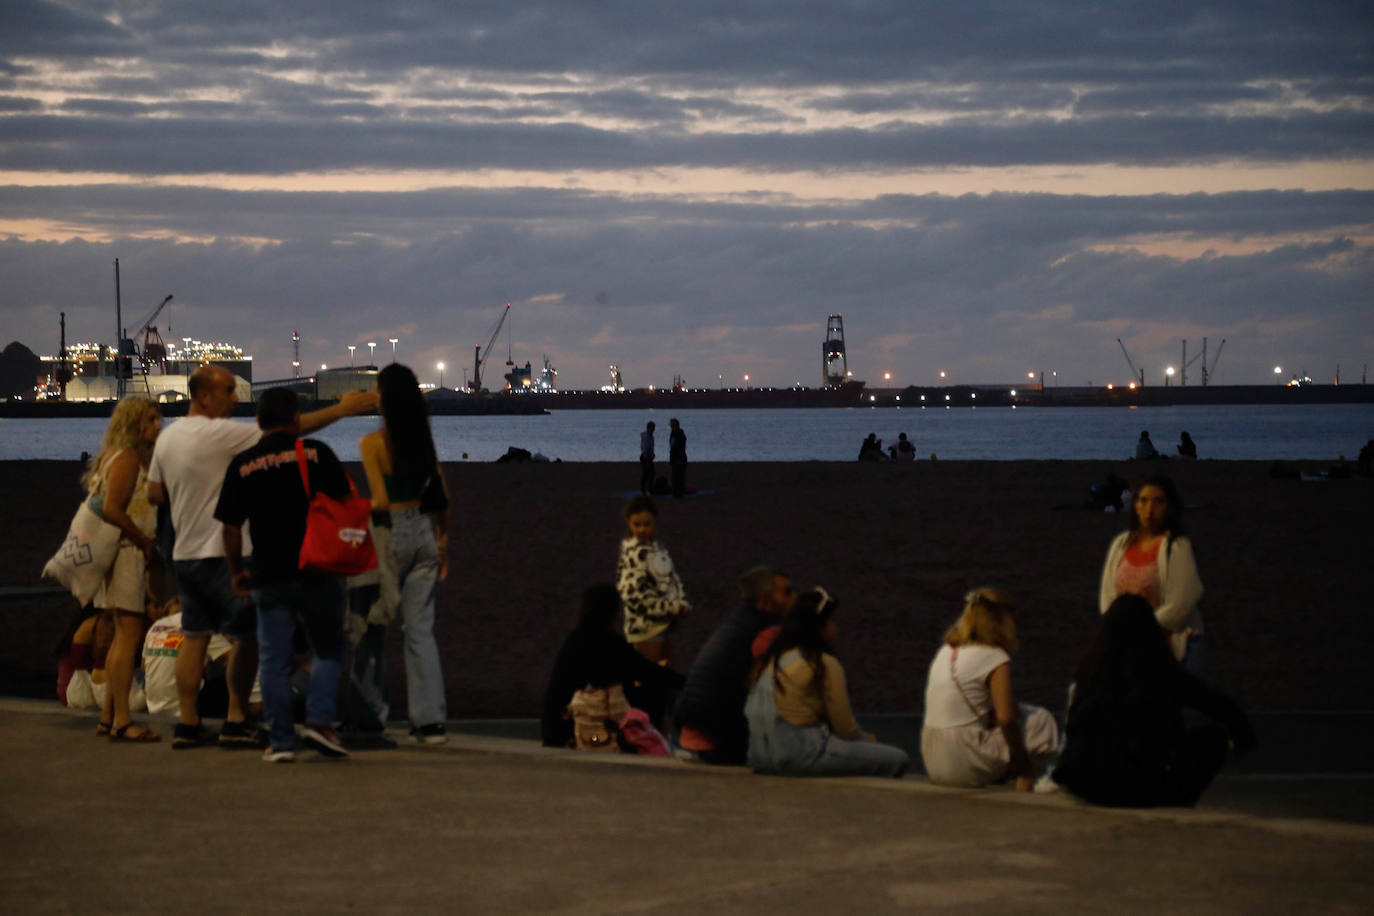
point(987, 189)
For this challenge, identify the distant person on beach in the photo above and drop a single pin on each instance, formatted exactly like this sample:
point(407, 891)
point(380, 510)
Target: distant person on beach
point(187, 472)
point(1106, 494)
point(677, 457)
point(410, 505)
point(871, 449)
point(1126, 742)
point(1153, 558)
point(710, 713)
point(1187, 448)
point(1366, 459)
point(798, 709)
point(975, 733)
point(263, 488)
point(902, 449)
point(595, 655)
point(646, 459)
point(117, 486)
point(1144, 448)
point(650, 591)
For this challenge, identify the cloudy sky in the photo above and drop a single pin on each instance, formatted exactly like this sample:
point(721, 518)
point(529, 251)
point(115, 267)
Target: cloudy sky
point(984, 188)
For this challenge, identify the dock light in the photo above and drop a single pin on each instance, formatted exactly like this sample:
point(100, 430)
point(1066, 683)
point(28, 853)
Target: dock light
point(946, 397)
point(323, 367)
point(1013, 392)
point(1130, 386)
point(872, 398)
point(1110, 386)
point(440, 367)
point(371, 346)
point(923, 397)
point(1030, 375)
point(351, 348)
point(393, 341)
point(1168, 375)
point(942, 373)
point(887, 376)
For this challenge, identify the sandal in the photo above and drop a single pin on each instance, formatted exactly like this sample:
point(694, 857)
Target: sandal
point(143, 735)
point(102, 730)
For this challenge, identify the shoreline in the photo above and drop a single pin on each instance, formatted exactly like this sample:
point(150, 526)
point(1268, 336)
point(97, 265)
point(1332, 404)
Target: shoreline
point(898, 545)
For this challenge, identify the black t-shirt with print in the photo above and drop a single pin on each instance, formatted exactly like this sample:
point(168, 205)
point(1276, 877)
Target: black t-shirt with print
point(263, 487)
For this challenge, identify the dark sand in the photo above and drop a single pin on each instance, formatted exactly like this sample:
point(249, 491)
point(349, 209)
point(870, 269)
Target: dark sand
point(1288, 626)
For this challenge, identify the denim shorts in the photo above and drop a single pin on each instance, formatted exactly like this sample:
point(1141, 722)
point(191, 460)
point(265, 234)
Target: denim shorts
point(209, 603)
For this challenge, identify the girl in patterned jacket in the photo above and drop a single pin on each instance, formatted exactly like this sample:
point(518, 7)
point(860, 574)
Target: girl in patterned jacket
point(650, 590)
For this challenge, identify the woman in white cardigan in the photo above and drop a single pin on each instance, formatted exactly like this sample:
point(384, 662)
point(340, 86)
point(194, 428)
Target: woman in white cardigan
point(1154, 559)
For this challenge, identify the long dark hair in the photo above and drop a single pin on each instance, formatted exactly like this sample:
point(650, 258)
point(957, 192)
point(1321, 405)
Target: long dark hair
point(1173, 513)
point(1128, 651)
point(407, 422)
point(803, 630)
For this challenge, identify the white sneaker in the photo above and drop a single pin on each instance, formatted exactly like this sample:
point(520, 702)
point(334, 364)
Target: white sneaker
point(272, 755)
point(1045, 785)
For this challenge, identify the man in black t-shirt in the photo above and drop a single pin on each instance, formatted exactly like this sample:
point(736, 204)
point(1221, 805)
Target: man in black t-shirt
point(263, 486)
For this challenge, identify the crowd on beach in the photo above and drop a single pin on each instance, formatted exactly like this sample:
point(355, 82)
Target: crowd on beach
point(767, 689)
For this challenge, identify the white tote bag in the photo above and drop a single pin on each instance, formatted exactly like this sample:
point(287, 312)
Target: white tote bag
point(86, 555)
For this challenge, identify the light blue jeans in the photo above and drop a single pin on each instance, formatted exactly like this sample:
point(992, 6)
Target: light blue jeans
point(417, 565)
point(778, 746)
point(315, 601)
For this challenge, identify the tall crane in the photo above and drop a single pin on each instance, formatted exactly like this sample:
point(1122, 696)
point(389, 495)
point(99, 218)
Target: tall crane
point(154, 349)
point(1134, 371)
point(480, 353)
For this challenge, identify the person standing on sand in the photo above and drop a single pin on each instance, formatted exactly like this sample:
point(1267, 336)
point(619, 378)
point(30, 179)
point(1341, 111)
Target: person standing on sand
point(646, 459)
point(710, 713)
point(187, 471)
point(677, 457)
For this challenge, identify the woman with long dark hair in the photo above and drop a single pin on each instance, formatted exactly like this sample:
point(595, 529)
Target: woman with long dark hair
point(800, 722)
point(410, 498)
point(1126, 740)
point(1153, 558)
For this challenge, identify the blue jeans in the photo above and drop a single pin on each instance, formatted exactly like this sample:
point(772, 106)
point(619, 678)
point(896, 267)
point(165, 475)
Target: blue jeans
point(417, 565)
point(778, 746)
point(315, 601)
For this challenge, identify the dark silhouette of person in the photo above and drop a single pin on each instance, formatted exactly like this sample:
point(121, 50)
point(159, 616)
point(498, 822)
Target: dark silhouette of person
point(1187, 448)
point(646, 459)
point(677, 457)
point(1144, 448)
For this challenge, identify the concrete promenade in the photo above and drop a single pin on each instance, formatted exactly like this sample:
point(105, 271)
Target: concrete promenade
point(493, 825)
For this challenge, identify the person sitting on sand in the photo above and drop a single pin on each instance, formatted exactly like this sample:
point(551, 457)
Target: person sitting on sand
point(710, 713)
point(975, 733)
point(871, 449)
point(1153, 558)
point(1106, 494)
point(1126, 742)
point(594, 655)
point(1187, 448)
point(1144, 448)
point(902, 449)
point(800, 722)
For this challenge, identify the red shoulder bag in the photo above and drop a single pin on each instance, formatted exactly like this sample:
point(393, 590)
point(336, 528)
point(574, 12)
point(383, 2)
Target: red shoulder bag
point(336, 536)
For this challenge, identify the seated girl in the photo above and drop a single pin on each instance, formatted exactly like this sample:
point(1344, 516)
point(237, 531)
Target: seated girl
point(800, 723)
point(1126, 740)
point(975, 732)
point(595, 655)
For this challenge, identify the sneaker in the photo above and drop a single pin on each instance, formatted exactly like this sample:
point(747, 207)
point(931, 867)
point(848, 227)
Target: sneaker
point(1046, 785)
point(428, 734)
point(323, 739)
point(275, 755)
point(242, 736)
point(185, 737)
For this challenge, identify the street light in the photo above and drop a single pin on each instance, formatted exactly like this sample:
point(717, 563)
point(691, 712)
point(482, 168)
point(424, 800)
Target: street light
point(942, 373)
point(746, 380)
point(351, 348)
point(393, 348)
point(371, 346)
point(1278, 373)
point(1168, 375)
point(441, 375)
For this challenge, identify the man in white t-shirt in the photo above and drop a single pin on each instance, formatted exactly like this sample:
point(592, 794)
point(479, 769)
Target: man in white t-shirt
point(186, 471)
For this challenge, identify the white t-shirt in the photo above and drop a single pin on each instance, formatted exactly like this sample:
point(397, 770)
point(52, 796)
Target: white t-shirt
point(189, 460)
point(945, 705)
point(161, 647)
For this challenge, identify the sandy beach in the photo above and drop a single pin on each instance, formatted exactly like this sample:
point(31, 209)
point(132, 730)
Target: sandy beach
point(1288, 627)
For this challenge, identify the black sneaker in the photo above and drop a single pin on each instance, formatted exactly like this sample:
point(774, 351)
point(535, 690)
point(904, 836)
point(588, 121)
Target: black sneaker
point(185, 737)
point(242, 736)
point(428, 734)
point(323, 739)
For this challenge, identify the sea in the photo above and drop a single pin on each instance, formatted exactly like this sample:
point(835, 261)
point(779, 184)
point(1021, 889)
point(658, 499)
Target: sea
point(1315, 432)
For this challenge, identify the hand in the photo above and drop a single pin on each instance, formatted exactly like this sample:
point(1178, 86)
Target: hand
point(243, 583)
point(149, 547)
point(357, 402)
point(443, 562)
point(1025, 784)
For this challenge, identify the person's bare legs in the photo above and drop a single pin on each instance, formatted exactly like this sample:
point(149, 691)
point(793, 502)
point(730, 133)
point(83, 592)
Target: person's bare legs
point(190, 669)
point(119, 666)
point(242, 668)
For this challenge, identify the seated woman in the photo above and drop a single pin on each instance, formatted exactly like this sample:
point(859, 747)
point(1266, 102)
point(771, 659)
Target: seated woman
point(975, 733)
point(800, 723)
point(1126, 741)
point(596, 655)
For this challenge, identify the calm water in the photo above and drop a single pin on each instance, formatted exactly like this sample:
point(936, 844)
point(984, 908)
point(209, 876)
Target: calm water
point(1256, 432)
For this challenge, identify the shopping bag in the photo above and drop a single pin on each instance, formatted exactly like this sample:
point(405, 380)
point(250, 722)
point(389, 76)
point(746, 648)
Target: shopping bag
point(87, 554)
point(336, 537)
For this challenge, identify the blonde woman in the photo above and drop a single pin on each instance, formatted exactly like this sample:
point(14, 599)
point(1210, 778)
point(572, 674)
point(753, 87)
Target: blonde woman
point(975, 732)
point(117, 483)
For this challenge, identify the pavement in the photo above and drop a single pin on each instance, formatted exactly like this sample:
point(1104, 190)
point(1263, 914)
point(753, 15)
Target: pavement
point(490, 823)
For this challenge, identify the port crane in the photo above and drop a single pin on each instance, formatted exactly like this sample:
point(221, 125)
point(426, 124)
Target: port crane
point(1134, 371)
point(154, 348)
point(480, 353)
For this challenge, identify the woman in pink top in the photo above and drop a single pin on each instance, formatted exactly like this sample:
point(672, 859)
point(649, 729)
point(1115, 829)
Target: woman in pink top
point(1153, 558)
